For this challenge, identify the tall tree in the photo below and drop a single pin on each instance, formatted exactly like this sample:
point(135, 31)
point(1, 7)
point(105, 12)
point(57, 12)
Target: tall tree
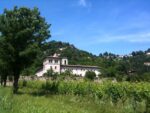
point(23, 32)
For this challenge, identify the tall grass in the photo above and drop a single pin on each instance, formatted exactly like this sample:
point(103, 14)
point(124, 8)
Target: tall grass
point(27, 103)
point(137, 94)
point(76, 97)
point(5, 100)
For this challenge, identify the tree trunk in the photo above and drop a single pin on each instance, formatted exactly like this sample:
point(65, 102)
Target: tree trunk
point(5, 80)
point(1, 80)
point(15, 84)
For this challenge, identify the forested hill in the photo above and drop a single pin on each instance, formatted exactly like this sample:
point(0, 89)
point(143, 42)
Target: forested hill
point(111, 64)
point(74, 55)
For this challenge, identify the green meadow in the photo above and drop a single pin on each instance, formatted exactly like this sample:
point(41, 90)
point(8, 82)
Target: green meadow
point(74, 97)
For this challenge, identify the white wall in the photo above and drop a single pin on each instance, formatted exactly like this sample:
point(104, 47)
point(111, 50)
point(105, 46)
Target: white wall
point(39, 73)
point(56, 67)
point(47, 65)
point(80, 71)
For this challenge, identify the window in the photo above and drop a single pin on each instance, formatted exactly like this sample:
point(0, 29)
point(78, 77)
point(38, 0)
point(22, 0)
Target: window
point(65, 62)
point(56, 61)
point(50, 61)
point(55, 67)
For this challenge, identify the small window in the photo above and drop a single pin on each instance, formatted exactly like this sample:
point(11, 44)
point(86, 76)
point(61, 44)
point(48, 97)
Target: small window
point(65, 62)
point(56, 61)
point(55, 67)
point(50, 61)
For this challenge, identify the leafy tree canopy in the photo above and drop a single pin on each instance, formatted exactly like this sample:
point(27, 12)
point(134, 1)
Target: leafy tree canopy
point(23, 34)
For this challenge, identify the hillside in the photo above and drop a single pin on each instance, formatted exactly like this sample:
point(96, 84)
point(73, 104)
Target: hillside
point(74, 55)
point(111, 65)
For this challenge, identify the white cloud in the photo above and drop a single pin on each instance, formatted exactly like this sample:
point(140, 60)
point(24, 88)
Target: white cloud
point(132, 38)
point(83, 3)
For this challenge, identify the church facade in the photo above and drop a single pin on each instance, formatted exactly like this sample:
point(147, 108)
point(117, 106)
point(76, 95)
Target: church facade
point(59, 65)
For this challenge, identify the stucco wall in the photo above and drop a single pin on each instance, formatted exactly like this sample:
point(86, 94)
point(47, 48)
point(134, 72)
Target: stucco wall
point(55, 65)
point(80, 71)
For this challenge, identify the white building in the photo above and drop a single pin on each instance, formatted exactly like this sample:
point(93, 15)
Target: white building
point(148, 53)
point(59, 65)
point(147, 63)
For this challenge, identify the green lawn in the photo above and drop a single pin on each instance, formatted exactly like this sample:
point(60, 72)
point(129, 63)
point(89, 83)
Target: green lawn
point(26, 102)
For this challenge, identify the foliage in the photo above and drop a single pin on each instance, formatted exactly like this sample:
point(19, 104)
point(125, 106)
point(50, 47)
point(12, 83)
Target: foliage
point(30, 102)
point(68, 75)
point(90, 75)
point(116, 92)
point(74, 55)
point(145, 77)
point(51, 74)
point(23, 34)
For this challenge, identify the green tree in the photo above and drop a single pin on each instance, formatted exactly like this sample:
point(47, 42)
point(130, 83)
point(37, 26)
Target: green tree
point(23, 34)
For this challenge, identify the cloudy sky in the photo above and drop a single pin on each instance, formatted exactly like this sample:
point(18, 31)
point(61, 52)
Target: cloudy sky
point(117, 26)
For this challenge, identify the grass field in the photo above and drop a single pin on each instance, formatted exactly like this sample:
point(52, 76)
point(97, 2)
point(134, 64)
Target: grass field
point(28, 102)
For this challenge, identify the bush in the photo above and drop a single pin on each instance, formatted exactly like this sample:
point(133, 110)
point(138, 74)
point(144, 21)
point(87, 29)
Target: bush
point(68, 75)
point(51, 74)
point(120, 77)
point(24, 83)
point(145, 77)
point(90, 75)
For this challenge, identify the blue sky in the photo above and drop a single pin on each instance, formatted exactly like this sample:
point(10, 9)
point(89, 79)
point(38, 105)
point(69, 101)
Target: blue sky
point(117, 26)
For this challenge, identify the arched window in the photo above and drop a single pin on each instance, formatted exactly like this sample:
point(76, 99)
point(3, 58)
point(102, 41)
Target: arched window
point(65, 62)
point(55, 67)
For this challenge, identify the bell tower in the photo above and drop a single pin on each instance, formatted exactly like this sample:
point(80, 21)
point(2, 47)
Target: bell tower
point(64, 61)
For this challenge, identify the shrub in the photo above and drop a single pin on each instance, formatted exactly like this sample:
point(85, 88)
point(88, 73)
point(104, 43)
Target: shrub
point(120, 77)
point(24, 83)
point(51, 73)
point(90, 75)
point(68, 75)
point(145, 77)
